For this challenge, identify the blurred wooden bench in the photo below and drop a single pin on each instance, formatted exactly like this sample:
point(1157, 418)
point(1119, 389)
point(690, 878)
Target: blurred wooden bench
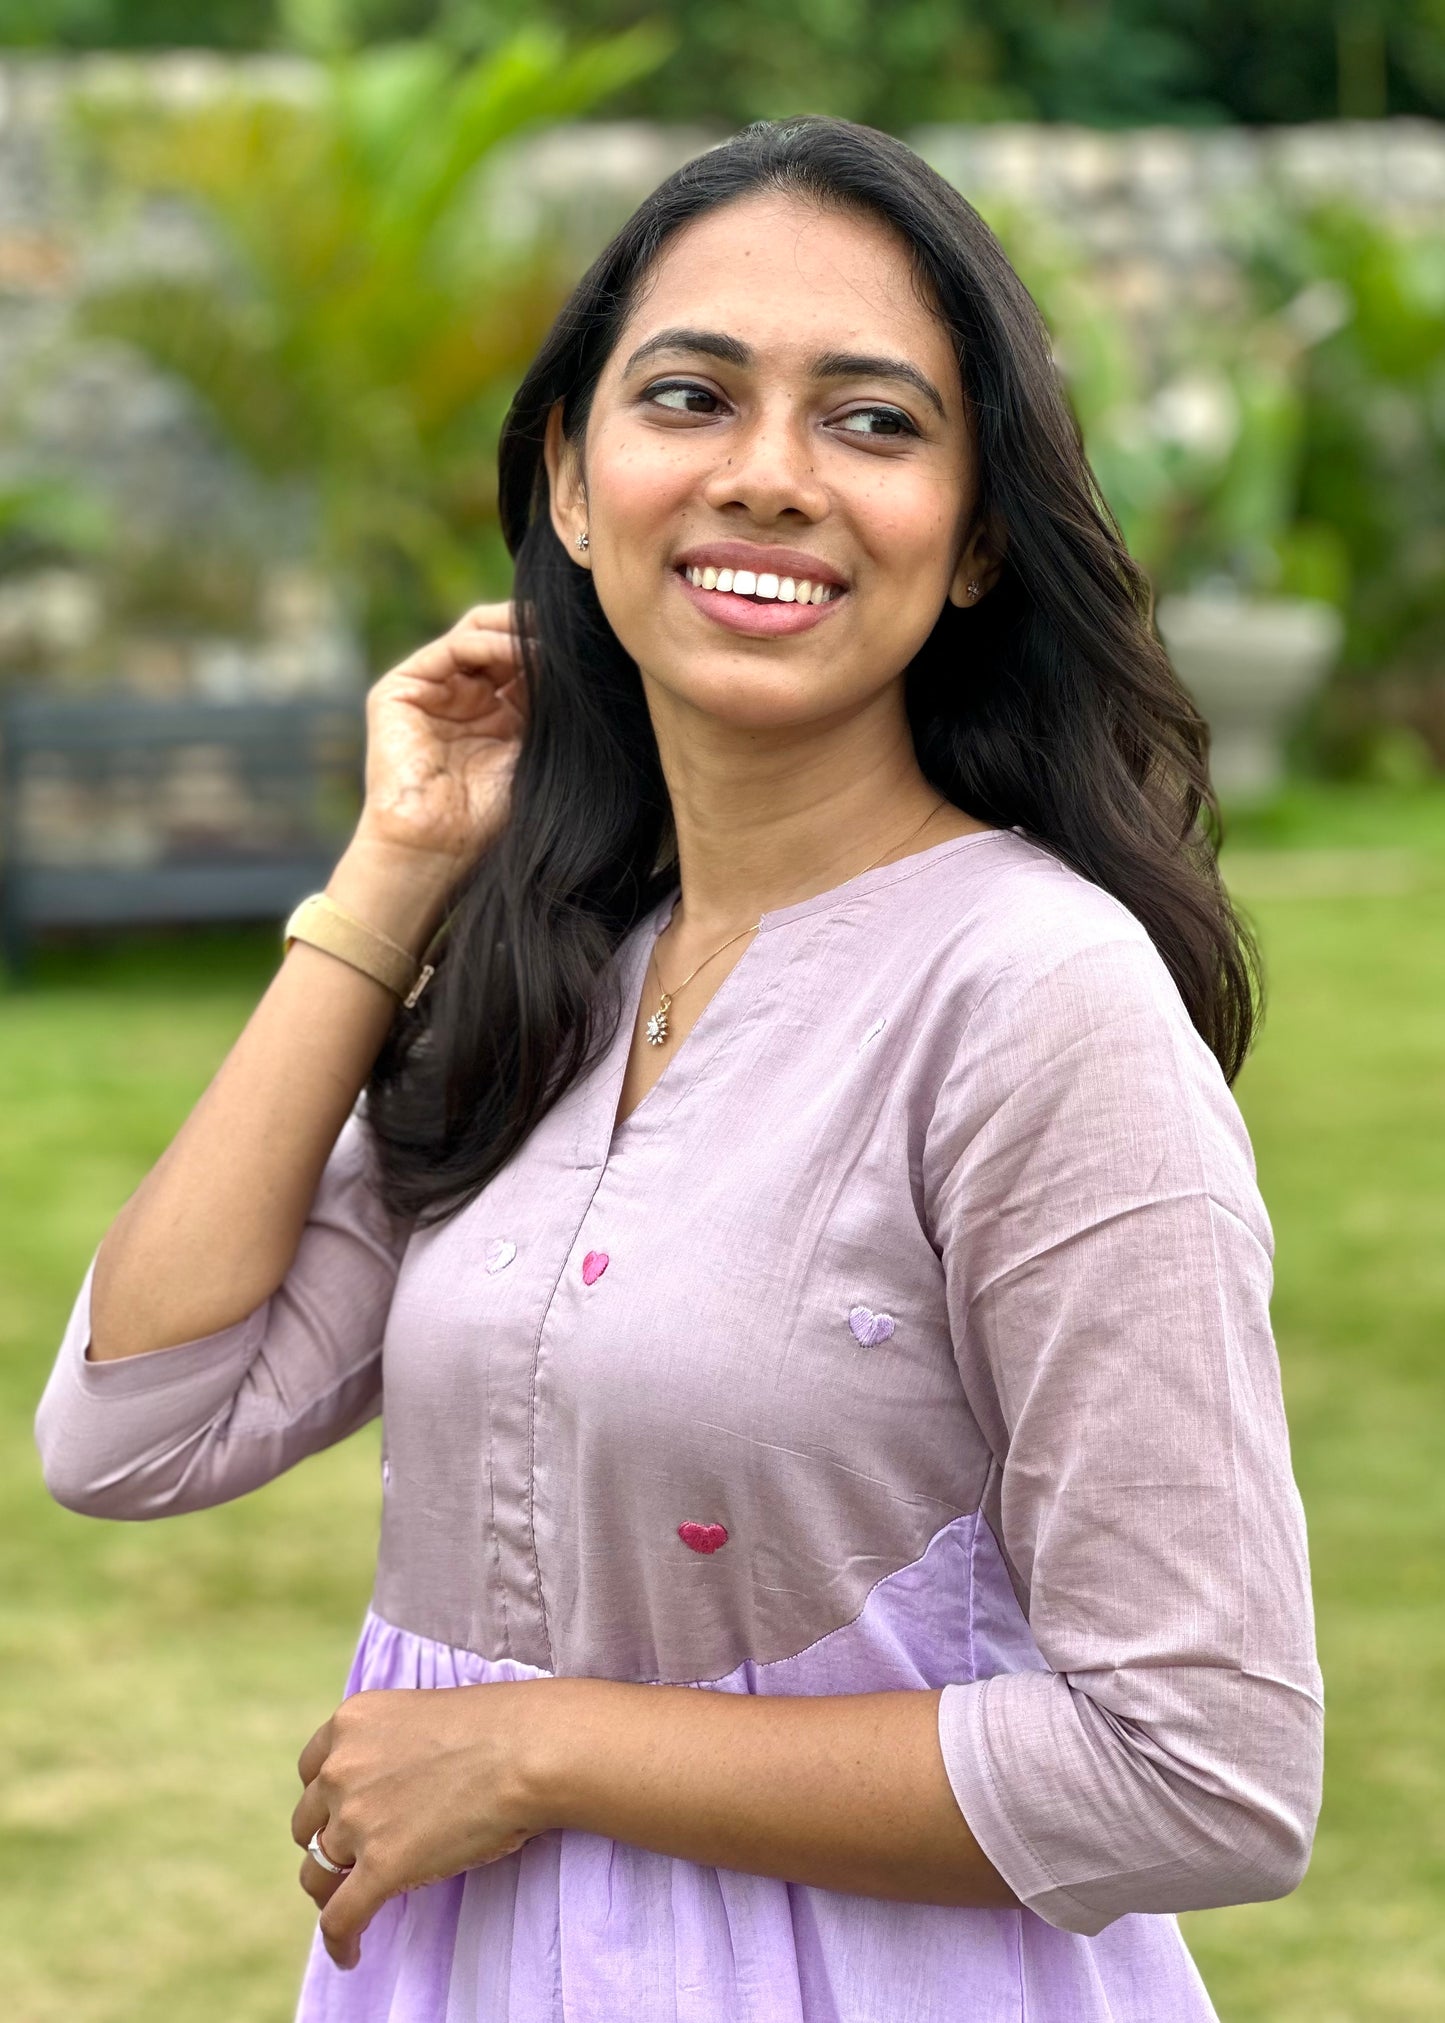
point(120, 811)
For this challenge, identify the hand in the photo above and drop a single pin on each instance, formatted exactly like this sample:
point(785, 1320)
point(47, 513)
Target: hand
point(443, 730)
point(413, 1786)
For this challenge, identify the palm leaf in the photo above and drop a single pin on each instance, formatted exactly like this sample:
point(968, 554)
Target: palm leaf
point(360, 330)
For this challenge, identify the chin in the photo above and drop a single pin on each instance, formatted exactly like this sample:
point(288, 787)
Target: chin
point(759, 697)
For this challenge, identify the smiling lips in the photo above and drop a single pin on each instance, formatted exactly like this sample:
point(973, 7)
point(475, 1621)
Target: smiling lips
point(762, 603)
point(765, 586)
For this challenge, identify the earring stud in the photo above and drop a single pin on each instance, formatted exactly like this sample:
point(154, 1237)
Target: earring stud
point(971, 590)
point(582, 539)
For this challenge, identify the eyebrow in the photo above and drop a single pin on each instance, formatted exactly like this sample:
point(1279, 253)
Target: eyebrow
point(827, 365)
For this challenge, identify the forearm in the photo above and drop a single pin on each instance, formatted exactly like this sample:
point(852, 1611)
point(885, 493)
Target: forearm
point(212, 1229)
point(846, 1792)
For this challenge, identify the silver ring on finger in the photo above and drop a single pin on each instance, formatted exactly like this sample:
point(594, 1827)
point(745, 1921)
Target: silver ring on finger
point(318, 1854)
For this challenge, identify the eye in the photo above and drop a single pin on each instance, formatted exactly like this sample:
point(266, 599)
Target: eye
point(895, 421)
point(679, 396)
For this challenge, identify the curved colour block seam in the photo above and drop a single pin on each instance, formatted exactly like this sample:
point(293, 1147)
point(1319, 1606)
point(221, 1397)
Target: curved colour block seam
point(972, 1522)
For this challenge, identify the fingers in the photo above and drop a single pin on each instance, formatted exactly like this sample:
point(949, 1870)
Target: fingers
point(309, 1762)
point(319, 1883)
point(462, 652)
point(311, 1814)
point(349, 1910)
point(446, 674)
point(489, 618)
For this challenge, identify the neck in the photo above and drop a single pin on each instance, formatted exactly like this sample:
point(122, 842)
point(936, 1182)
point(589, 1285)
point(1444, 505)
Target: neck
point(768, 818)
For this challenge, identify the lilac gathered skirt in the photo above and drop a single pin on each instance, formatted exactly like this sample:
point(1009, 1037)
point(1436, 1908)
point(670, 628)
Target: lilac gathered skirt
point(574, 1928)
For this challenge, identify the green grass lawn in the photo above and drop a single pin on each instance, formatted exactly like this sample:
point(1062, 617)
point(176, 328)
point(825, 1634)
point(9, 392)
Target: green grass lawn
point(157, 1681)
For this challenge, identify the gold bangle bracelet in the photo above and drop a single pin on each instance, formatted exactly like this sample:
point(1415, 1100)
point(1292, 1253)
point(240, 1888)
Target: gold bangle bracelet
point(321, 922)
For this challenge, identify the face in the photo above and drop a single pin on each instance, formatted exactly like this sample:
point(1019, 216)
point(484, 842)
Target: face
point(781, 410)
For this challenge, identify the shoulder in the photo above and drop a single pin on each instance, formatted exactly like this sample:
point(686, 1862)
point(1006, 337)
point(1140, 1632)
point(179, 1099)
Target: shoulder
point(1003, 925)
point(1046, 1008)
point(1058, 1041)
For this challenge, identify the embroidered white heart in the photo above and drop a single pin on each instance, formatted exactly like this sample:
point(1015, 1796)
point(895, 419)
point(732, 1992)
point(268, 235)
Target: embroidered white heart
point(869, 1329)
point(500, 1252)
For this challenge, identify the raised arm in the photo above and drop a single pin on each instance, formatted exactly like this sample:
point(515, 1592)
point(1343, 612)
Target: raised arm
point(255, 1253)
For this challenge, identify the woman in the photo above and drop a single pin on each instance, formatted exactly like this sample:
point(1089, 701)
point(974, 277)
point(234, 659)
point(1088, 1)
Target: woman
point(802, 1235)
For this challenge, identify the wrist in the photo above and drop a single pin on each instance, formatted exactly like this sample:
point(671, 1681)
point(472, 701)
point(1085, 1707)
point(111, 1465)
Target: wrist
point(550, 1746)
point(401, 893)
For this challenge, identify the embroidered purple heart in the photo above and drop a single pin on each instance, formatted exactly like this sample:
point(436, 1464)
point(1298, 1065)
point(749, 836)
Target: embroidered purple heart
point(500, 1252)
point(593, 1266)
point(703, 1537)
point(869, 1329)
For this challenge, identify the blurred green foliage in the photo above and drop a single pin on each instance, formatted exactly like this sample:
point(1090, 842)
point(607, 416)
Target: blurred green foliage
point(894, 63)
point(1291, 442)
point(1368, 505)
point(362, 336)
point(44, 519)
point(366, 331)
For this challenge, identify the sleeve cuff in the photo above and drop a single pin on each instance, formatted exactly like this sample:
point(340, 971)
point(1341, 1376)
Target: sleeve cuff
point(1007, 1722)
point(100, 1427)
point(213, 1363)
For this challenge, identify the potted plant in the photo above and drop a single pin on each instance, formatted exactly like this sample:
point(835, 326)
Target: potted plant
point(1251, 590)
point(1196, 427)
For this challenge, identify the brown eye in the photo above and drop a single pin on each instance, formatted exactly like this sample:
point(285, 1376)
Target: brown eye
point(681, 396)
point(895, 422)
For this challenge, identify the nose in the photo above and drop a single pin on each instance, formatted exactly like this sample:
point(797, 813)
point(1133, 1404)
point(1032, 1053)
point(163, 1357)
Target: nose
point(768, 468)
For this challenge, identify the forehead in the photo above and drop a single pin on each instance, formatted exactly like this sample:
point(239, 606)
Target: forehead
point(791, 278)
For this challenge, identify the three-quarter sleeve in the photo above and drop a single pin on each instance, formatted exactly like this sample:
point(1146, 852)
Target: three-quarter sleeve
point(183, 1427)
point(1090, 1190)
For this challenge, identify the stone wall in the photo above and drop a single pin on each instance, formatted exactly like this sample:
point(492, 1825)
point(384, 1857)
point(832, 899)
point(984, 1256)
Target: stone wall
point(1149, 208)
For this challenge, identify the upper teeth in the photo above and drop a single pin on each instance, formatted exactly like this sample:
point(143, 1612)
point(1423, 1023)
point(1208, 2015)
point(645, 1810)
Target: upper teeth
point(744, 583)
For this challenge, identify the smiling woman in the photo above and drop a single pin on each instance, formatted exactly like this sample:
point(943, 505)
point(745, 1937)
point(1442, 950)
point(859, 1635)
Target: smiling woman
point(839, 1559)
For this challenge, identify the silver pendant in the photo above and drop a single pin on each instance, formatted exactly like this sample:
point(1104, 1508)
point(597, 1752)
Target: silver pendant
point(657, 1024)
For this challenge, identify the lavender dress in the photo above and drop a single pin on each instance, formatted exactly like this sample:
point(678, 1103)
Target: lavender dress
point(912, 1332)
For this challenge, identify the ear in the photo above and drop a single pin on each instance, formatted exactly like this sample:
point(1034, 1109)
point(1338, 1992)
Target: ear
point(978, 566)
point(568, 493)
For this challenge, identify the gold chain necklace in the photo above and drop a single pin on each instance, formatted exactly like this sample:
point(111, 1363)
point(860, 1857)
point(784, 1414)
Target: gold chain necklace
point(657, 1026)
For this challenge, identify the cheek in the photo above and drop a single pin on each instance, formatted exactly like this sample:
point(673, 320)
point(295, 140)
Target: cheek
point(636, 483)
point(908, 525)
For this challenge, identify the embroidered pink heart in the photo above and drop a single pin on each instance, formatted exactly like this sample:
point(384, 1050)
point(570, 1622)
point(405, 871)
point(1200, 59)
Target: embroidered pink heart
point(593, 1266)
point(869, 1328)
point(703, 1537)
point(500, 1252)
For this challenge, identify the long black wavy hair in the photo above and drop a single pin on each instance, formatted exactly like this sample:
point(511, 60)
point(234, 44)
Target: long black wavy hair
point(1050, 706)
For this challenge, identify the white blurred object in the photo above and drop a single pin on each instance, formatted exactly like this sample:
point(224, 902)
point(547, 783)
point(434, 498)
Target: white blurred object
point(1251, 664)
point(1318, 311)
point(306, 646)
point(1198, 412)
point(48, 614)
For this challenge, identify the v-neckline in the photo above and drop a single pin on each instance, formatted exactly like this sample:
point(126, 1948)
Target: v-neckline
point(612, 1072)
point(631, 1010)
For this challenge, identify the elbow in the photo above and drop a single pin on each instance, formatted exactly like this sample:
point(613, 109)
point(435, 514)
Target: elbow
point(74, 1491)
point(1255, 1825)
point(1248, 1855)
point(1243, 1831)
point(1237, 1830)
point(77, 1485)
point(90, 1477)
point(131, 1496)
point(63, 1469)
point(1284, 1874)
point(1247, 1837)
point(1234, 1854)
